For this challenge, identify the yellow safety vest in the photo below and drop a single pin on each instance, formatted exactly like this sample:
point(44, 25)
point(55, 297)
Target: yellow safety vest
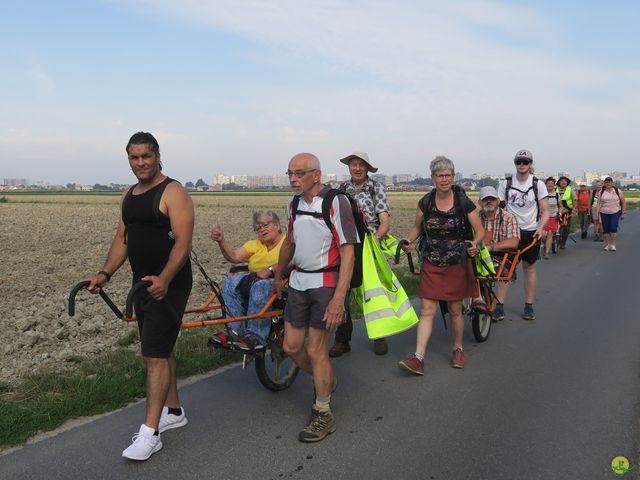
point(386, 307)
point(566, 196)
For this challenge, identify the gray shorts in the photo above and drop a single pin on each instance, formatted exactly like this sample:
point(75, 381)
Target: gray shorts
point(306, 308)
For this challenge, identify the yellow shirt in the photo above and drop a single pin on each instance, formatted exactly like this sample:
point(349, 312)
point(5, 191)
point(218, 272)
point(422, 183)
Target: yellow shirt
point(259, 257)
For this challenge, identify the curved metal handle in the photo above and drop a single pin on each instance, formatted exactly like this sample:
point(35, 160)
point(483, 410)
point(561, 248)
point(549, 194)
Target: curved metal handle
point(72, 296)
point(396, 259)
point(102, 293)
point(132, 293)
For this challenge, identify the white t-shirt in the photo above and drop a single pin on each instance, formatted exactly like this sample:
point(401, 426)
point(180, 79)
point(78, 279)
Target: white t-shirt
point(522, 201)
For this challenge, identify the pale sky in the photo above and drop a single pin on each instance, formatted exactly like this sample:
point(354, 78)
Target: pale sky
point(239, 87)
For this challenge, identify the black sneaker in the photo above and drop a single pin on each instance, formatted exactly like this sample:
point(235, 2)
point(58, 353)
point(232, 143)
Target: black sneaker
point(320, 425)
point(528, 313)
point(380, 346)
point(338, 349)
point(498, 313)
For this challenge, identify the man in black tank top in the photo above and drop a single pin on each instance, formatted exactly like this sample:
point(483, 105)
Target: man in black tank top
point(154, 234)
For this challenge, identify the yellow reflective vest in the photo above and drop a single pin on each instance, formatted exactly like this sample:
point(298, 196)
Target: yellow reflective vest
point(385, 305)
point(567, 196)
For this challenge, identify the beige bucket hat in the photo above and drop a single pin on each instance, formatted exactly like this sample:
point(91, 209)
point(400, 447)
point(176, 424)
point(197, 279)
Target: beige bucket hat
point(362, 156)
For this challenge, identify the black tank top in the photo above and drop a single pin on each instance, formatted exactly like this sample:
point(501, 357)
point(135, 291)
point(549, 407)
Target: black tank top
point(147, 235)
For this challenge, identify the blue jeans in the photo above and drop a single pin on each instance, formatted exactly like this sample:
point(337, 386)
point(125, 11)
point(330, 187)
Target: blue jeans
point(258, 296)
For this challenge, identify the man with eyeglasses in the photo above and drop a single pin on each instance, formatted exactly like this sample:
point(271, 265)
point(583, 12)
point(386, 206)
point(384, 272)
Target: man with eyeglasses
point(527, 200)
point(318, 285)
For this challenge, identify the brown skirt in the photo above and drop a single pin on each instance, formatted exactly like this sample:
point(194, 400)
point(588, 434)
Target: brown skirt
point(450, 283)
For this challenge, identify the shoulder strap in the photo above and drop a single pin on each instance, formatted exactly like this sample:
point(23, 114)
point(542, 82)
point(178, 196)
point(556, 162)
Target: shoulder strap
point(156, 198)
point(127, 197)
point(294, 206)
point(327, 200)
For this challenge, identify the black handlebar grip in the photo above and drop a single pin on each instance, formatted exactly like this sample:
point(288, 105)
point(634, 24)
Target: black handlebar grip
point(401, 244)
point(72, 296)
point(132, 293)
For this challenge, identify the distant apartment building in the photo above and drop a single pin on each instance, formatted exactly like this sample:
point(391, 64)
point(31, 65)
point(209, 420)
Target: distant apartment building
point(16, 182)
point(591, 176)
point(239, 180)
point(221, 179)
point(618, 175)
point(83, 188)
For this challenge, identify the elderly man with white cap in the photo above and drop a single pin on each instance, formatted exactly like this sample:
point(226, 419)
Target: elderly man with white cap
point(372, 200)
point(502, 234)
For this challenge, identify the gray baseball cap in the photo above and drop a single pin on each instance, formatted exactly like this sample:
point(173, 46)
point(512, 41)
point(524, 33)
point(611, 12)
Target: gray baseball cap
point(488, 192)
point(523, 154)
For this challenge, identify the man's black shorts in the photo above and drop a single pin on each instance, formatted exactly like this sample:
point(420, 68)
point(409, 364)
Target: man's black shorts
point(159, 321)
point(533, 254)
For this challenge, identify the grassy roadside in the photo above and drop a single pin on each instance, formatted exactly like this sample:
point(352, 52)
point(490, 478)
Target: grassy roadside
point(44, 401)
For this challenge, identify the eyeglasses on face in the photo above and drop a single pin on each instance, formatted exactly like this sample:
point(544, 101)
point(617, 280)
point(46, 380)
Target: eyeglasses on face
point(444, 176)
point(522, 161)
point(299, 173)
point(260, 226)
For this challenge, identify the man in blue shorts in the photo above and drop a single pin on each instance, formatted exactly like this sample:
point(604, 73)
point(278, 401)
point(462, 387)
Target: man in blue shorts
point(154, 234)
point(318, 285)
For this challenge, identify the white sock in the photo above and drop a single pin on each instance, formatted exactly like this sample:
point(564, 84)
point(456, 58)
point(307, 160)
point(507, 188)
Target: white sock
point(322, 404)
point(419, 356)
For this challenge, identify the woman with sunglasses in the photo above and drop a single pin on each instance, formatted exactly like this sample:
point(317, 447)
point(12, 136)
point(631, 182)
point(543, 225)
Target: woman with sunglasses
point(246, 293)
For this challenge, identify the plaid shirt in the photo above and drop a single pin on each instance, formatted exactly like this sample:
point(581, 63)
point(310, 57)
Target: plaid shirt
point(503, 225)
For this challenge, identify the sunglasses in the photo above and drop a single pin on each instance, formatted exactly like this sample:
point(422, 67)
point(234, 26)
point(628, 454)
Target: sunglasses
point(522, 161)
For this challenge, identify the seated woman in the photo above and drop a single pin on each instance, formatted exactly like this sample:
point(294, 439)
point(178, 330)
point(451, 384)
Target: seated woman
point(246, 293)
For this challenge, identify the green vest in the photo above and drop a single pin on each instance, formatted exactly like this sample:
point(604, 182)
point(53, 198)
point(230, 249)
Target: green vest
point(386, 307)
point(566, 196)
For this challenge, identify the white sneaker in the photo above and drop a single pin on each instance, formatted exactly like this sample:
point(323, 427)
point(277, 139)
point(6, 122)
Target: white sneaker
point(145, 444)
point(169, 421)
point(612, 248)
point(607, 248)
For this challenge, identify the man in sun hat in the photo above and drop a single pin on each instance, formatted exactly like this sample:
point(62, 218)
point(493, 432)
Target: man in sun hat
point(525, 196)
point(568, 200)
point(372, 200)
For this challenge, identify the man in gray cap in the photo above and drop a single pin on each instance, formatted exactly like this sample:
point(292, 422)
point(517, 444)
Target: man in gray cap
point(502, 234)
point(372, 200)
point(525, 197)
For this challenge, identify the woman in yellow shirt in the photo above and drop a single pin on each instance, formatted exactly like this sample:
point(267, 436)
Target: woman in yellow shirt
point(247, 292)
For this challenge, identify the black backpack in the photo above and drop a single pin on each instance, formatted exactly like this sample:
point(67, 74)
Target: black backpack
point(534, 187)
point(361, 226)
point(459, 198)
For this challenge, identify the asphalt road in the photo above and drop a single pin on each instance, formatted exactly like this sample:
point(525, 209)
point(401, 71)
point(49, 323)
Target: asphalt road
point(556, 398)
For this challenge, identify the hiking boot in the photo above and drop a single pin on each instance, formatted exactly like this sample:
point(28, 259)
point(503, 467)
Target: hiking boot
point(498, 313)
point(528, 313)
point(338, 349)
point(380, 346)
point(145, 444)
point(320, 425)
point(412, 364)
point(457, 358)
point(169, 421)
